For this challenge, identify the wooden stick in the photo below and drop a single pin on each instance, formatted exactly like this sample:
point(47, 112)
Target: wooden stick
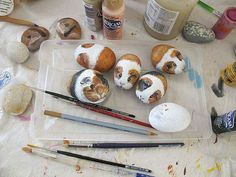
point(17, 21)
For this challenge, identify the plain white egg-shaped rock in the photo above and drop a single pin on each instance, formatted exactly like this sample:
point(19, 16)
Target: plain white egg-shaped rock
point(17, 51)
point(169, 117)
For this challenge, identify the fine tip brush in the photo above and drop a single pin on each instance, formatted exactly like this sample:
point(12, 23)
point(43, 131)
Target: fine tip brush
point(97, 108)
point(78, 156)
point(80, 103)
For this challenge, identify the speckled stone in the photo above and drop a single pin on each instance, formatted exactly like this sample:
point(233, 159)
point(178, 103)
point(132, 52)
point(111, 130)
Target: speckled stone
point(197, 33)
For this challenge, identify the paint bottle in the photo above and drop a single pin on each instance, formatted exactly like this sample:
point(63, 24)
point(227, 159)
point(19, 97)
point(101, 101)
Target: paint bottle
point(113, 18)
point(93, 11)
point(226, 23)
point(224, 123)
point(164, 19)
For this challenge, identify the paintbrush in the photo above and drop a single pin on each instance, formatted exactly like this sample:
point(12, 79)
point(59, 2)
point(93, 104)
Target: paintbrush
point(53, 156)
point(96, 108)
point(98, 123)
point(209, 9)
point(130, 167)
point(121, 145)
point(80, 103)
point(17, 21)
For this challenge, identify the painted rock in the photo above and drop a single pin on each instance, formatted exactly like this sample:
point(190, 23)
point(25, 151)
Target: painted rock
point(167, 59)
point(89, 86)
point(68, 28)
point(151, 87)
point(127, 71)
point(17, 52)
point(169, 117)
point(17, 99)
point(95, 56)
point(197, 33)
point(34, 36)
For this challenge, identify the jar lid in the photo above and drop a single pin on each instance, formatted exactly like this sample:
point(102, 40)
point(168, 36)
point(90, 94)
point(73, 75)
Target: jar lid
point(113, 4)
point(231, 13)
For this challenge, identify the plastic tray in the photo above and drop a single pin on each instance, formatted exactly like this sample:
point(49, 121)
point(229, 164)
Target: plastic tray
point(57, 65)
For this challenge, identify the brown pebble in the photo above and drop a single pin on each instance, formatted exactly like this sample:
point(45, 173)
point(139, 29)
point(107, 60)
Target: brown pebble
point(68, 28)
point(34, 36)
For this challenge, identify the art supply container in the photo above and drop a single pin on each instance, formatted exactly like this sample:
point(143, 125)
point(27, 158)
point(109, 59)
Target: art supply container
point(6, 7)
point(228, 75)
point(224, 123)
point(164, 19)
point(113, 18)
point(226, 23)
point(93, 11)
point(56, 70)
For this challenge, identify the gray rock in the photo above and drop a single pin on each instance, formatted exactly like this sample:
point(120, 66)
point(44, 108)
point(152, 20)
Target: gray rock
point(197, 33)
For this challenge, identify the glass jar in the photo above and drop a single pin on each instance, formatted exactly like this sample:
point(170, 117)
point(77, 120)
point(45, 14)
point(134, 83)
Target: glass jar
point(164, 19)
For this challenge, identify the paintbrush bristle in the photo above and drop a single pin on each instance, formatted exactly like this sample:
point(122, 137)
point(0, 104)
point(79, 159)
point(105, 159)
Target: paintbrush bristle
point(27, 149)
point(37, 89)
point(52, 113)
point(152, 133)
point(66, 143)
point(32, 146)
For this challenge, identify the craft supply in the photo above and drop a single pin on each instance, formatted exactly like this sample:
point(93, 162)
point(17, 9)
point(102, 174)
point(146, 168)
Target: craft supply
point(127, 71)
point(164, 19)
point(84, 105)
point(89, 86)
point(53, 156)
point(34, 36)
point(17, 51)
point(121, 145)
point(113, 18)
point(98, 109)
point(218, 88)
point(17, 21)
point(17, 99)
point(151, 87)
point(226, 23)
point(7, 6)
point(98, 123)
point(209, 9)
point(224, 123)
point(169, 117)
point(131, 167)
point(197, 33)
point(95, 56)
point(228, 75)
point(93, 12)
point(68, 28)
point(168, 59)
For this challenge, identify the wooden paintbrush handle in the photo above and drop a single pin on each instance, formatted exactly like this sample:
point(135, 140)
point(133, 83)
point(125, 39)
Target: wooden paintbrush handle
point(16, 21)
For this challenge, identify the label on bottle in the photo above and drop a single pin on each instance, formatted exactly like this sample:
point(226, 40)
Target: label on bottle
point(6, 7)
point(159, 18)
point(225, 123)
point(112, 26)
point(93, 16)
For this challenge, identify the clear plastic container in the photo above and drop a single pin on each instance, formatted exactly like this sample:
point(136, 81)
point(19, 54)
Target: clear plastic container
point(57, 65)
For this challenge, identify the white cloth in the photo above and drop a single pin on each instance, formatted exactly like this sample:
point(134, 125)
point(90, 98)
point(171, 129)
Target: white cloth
point(200, 159)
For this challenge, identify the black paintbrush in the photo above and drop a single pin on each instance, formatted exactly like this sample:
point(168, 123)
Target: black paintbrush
point(81, 104)
point(130, 167)
point(122, 145)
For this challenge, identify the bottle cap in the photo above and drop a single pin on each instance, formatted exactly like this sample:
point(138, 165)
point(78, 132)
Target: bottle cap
point(114, 4)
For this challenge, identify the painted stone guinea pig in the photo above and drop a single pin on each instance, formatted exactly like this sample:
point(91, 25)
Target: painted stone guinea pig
point(89, 86)
point(167, 59)
point(95, 56)
point(151, 87)
point(127, 71)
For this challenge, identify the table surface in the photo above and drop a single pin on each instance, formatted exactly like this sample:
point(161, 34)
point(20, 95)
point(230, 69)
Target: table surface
point(200, 158)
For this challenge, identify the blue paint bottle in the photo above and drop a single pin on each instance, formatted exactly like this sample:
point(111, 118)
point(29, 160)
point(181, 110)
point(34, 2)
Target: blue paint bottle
point(224, 123)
